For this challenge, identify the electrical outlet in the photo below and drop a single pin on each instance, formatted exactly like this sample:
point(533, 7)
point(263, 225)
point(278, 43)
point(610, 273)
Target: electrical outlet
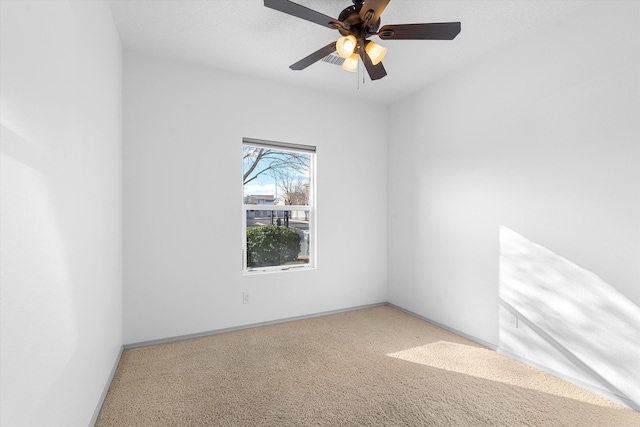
point(513, 320)
point(246, 298)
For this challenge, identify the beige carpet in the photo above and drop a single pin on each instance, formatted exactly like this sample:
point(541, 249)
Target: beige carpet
point(372, 367)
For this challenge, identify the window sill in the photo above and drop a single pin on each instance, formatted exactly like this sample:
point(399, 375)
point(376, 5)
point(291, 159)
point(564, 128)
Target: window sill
point(281, 269)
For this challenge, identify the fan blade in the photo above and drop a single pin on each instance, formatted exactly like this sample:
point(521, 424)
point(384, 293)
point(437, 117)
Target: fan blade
point(437, 31)
point(372, 9)
point(300, 11)
point(314, 57)
point(375, 71)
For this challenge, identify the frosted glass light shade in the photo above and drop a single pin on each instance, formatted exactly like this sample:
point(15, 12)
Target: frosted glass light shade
point(351, 63)
point(375, 52)
point(346, 45)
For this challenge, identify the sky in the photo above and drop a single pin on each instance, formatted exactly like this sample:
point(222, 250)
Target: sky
point(260, 186)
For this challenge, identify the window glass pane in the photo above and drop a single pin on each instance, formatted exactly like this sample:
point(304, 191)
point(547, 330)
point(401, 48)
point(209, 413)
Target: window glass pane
point(276, 177)
point(277, 236)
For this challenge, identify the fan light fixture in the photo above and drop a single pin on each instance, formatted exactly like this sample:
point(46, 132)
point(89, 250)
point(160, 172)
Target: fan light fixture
point(356, 24)
point(375, 52)
point(346, 45)
point(351, 63)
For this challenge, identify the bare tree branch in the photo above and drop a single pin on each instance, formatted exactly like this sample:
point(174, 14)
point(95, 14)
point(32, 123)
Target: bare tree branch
point(294, 190)
point(258, 161)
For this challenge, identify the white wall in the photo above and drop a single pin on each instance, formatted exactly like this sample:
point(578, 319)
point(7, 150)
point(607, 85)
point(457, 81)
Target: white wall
point(183, 129)
point(541, 138)
point(61, 195)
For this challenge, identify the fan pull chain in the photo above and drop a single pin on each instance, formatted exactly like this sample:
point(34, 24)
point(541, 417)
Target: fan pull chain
point(359, 68)
point(363, 76)
point(358, 74)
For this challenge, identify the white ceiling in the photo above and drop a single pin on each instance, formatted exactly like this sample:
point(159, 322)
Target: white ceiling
point(243, 36)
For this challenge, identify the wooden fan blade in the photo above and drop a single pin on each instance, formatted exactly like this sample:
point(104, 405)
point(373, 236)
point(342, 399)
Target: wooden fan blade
point(372, 9)
point(375, 71)
point(436, 31)
point(300, 11)
point(314, 57)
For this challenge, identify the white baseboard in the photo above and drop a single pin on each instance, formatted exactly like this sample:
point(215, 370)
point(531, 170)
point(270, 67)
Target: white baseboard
point(448, 328)
point(103, 396)
point(590, 387)
point(242, 327)
point(587, 386)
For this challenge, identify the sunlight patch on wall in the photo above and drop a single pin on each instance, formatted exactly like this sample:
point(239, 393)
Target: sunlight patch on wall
point(567, 318)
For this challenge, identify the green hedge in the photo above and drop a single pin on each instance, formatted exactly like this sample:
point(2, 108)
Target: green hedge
point(271, 245)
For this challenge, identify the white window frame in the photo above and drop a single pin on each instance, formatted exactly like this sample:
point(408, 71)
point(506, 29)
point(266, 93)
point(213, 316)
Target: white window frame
point(311, 207)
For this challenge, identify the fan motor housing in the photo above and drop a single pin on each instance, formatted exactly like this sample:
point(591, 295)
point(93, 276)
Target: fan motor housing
point(351, 17)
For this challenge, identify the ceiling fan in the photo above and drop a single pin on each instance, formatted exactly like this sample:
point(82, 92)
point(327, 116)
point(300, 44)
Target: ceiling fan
point(356, 24)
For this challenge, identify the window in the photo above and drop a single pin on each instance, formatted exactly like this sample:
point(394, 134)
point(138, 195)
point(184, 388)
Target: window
point(278, 206)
